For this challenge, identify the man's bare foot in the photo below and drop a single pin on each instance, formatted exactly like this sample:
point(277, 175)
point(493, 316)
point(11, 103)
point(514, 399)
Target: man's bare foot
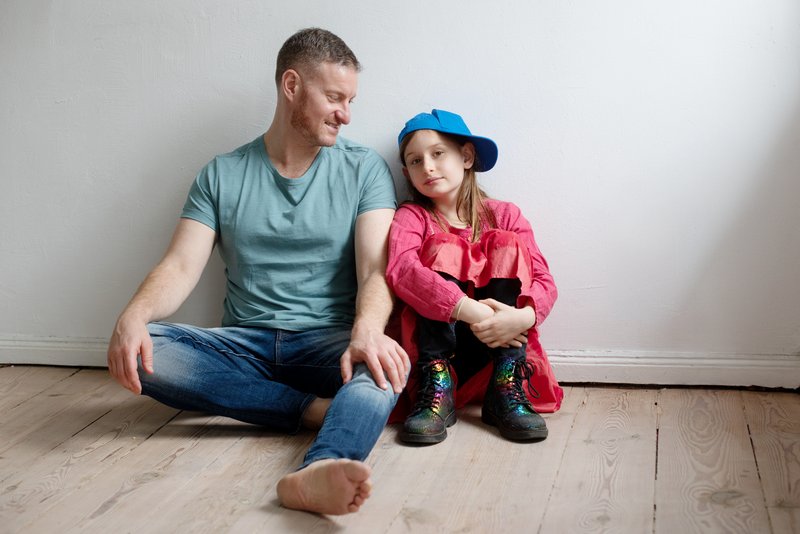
point(315, 413)
point(331, 486)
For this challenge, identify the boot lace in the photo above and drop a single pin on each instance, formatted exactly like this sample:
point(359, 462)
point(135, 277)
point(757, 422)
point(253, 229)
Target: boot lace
point(525, 371)
point(427, 396)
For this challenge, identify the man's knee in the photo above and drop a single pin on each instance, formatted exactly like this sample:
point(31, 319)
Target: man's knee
point(172, 359)
point(364, 389)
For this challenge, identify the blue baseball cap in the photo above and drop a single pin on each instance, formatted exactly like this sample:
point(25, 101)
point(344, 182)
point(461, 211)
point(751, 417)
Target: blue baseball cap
point(452, 123)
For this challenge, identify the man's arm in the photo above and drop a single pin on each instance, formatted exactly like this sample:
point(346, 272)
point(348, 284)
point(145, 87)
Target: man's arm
point(374, 303)
point(160, 295)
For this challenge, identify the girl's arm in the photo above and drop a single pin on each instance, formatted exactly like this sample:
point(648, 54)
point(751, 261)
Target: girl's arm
point(423, 289)
point(542, 293)
point(534, 303)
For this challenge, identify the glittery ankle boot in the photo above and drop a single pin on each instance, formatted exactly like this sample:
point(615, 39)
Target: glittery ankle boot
point(505, 404)
point(434, 410)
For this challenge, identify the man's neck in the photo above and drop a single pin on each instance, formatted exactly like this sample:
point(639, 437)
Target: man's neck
point(291, 157)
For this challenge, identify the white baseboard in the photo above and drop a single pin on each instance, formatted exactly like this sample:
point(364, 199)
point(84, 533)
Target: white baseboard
point(677, 368)
point(27, 350)
point(620, 367)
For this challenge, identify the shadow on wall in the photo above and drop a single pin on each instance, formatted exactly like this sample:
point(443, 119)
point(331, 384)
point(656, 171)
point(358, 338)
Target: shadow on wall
point(746, 295)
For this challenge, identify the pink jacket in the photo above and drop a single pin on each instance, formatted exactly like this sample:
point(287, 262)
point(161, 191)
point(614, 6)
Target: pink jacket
point(425, 292)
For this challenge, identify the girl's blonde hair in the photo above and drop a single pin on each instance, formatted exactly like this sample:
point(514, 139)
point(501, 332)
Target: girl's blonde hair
point(471, 202)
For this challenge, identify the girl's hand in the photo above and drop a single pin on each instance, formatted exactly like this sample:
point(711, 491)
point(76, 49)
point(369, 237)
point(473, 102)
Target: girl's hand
point(518, 341)
point(506, 326)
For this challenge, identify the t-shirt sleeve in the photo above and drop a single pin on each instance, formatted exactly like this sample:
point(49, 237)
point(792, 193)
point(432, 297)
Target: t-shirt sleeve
point(377, 186)
point(201, 204)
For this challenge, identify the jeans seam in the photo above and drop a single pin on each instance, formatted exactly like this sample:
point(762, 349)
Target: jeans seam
point(277, 356)
point(205, 344)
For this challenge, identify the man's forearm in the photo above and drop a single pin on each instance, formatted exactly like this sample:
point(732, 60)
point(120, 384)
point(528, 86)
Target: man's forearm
point(374, 303)
point(160, 295)
point(169, 284)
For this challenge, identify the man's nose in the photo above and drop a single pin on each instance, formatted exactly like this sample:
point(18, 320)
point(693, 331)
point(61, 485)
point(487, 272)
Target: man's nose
point(343, 114)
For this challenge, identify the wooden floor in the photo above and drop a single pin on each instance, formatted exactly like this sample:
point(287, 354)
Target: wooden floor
point(80, 454)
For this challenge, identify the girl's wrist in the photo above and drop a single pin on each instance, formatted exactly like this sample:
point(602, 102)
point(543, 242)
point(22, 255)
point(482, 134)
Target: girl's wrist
point(471, 311)
point(456, 316)
point(529, 316)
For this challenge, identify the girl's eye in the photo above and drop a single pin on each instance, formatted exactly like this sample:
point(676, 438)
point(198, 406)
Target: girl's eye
point(414, 161)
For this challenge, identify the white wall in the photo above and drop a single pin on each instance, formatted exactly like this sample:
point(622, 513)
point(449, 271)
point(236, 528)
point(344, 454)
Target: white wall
point(654, 147)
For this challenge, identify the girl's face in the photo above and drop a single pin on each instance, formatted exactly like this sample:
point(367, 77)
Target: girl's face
point(435, 165)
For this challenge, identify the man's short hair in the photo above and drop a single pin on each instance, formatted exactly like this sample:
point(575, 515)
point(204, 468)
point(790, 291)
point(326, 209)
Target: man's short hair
point(311, 47)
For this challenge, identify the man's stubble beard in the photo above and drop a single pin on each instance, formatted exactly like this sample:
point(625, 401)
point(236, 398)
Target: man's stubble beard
point(301, 122)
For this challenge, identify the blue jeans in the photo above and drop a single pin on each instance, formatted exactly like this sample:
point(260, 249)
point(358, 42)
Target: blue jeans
point(269, 377)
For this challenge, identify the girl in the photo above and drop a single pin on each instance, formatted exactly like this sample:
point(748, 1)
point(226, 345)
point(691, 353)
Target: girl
point(476, 285)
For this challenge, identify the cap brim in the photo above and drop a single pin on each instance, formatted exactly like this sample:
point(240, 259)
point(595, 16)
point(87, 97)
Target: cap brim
point(486, 150)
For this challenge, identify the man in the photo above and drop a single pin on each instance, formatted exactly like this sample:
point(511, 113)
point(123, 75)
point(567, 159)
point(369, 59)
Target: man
point(301, 219)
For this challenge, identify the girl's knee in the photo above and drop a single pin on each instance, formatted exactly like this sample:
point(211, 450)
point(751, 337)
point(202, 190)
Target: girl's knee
point(506, 255)
point(440, 245)
point(497, 239)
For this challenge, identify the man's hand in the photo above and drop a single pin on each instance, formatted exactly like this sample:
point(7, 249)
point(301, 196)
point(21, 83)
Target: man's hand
point(507, 327)
point(129, 340)
point(383, 356)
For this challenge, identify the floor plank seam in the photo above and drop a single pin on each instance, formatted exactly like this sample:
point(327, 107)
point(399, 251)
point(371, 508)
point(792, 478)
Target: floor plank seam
point(561, 460)
point(84, 428)
point(157, 430)
point(657, 409)
point(755, 460)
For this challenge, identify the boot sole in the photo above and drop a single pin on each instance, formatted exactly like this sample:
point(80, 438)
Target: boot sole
point(536, 434)
point(410, 437)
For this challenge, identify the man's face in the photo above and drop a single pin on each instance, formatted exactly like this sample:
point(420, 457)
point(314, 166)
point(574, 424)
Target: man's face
point(323, 102)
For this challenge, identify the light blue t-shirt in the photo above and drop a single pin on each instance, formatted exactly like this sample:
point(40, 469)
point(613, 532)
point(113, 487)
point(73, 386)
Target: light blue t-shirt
point(288, 244)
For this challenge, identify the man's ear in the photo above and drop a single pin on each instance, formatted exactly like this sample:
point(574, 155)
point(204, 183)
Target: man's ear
point(290, 83)
point(468, 153)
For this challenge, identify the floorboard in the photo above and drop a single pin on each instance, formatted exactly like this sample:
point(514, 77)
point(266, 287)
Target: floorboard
point(707, 475)
point(606, 475)
point(20, 383)
point(774, 424)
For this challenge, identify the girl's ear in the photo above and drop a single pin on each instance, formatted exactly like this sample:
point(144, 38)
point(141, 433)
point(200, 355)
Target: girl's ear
point(468, 153)
point(405, 173)
point(290, 83)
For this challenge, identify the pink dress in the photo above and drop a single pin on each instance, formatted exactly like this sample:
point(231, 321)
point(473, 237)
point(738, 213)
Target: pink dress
point(418, 247)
